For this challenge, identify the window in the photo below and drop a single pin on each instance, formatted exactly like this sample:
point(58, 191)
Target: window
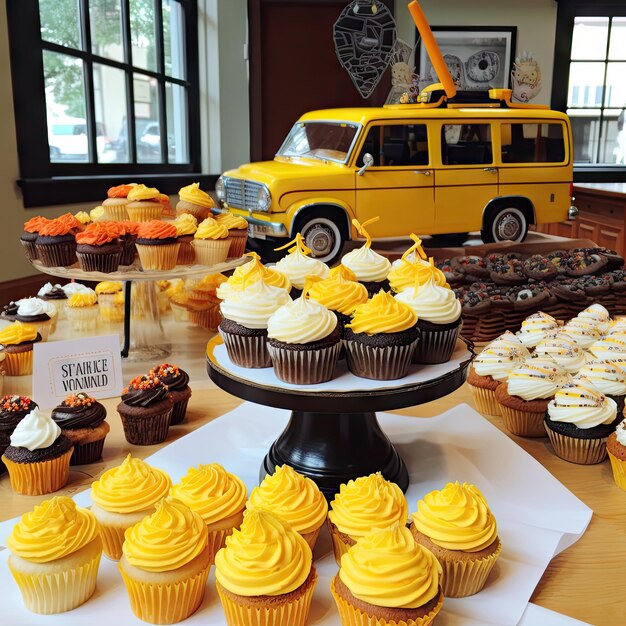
point(111, 92)
point(532, 143)
point(398, 145)
point(466, 144)
point(590, 63)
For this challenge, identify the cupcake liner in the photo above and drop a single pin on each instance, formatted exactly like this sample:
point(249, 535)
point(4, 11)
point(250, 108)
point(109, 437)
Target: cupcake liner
point(304, 367)
point(350, 615)
point(619, 471)
point(144, 213)
point(217, 540)
point(36, 479)
point(103, 262)
point(166, 603)
point(82, 319)
point(112, 540)
point(163, 302)
point(522, 423)
point(146, 431)
point(18, 363)
point(115, 212)
point(292, 613)
point(186, 254)
point(206, 318)
point(340, 547)
point(248, 351)
point(581, 451)
point(238, 240)
point(57, 254)
point(30, 250)
point(311, 538)
point(179, 411)
point(465, 578)
point(387, 363)
point(111, 313)
point(58, 592)
point(485, 400)
point(436, 346)
point(129, 251)
point(211, 251)
point(87, 452)
point(158, 257)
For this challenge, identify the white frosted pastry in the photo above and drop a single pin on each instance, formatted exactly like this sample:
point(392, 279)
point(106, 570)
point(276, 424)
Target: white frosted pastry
point(564, 350)
point(584, 332)
point(536, 378)
point(369, 266)
point(537, 327)
point(35, 306)
point(432, 303)
point(35, 431)
point(301, 321)
point(498, 358)
point(581, 404)
point(598, 315)
point(253, 306)
point(605, 376)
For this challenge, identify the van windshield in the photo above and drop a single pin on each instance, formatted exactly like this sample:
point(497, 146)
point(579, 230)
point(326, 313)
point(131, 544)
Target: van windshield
point(320, 140)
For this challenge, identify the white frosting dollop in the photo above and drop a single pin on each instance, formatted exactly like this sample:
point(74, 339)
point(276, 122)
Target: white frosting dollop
point(47, 288)
point(581, 404)
point(536, 378)
point(432, 303)
point(369, 266)
point(564, 350)
point(72, 288)
point(618, 326)
point(301, 321)
point(620, 432)
point(35, 306)
point(598, 315)
point(498, 358)
point(511, 339)
point(536, 327)
point(582, 331)
point(37, 430)
point(609, 348)
point(297, 266)
point(253, 306)
point(605, 377)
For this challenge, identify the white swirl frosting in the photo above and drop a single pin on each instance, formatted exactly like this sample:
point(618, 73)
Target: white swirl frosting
point(581, 404)
point(297, 266)
point(253, 306)
point(48, 288)
point(582, 331)
point(369, 266)
point(35, 306)
point(620, 432)
point(605, 376)
point(598, 315)
point(411, 257)
point(536, 378)
point(564, 350)
point(618, 327)
point(72, 288)
point(535, 328)
point(432, 303)
point(301, 321)
point(499, 358)
point(513, 340)
point(37, 430)
point(609, 348)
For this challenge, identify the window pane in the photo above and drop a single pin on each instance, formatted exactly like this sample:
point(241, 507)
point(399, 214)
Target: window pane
point(177, 129)
point(109, 85)
point(60, 22)
point(147, 119)
point(142, 34)
point(174, 38)
point(586, 132)
point(590, 38)
point(106, 29)
point(617, 48)
point(532, 143)
point(615, 94)
point(586, 83)
point(466, 144)
point(65, 107)
point(613, 144)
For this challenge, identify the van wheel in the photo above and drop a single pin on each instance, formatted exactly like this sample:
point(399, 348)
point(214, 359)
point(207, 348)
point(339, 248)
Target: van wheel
point(505, 224)
point(323, 235)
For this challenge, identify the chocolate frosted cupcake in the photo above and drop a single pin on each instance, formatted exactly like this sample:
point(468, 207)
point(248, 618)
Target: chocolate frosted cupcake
point(56, 295)
point(38, 457)
point(81, 419)
point(177, 382)
point(39, 313)
point(381, 338)
point(146, 410)
point(12, 410)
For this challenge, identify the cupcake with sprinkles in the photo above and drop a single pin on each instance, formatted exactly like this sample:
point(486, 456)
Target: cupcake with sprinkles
point(12, 410)
point(537, 327)
point(177, 381)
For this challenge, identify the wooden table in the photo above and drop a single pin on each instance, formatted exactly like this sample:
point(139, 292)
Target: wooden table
point(585, 582)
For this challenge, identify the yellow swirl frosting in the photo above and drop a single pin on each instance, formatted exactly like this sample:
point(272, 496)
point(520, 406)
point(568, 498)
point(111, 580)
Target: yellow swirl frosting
point(132, 486)
point(266, 557)
point(337, 292)
point(406, 275)
point(367, 503)
point(141, 192)
point(251, 272)
point(82, 298)
point(109, 286)
point(382, 314)
point(388, 568)
point(345, 272)
point(456, 518)
point(232, 221)
point(16, 333)
point(168, 539)
point(292, 497)
point(193, 194)
point(52, 530)
point(185, 224)
point(83, 217)
point(211, 229)
point(301, 321)
point(212, 492)
point(97, 214)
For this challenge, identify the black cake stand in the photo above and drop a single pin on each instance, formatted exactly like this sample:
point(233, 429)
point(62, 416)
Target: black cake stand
point(333, 437)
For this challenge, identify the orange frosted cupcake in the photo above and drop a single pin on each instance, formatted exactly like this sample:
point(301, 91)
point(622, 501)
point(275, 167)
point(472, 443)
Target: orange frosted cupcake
point(387, 579)
point(157, 245)
point(115, 204)
point(123, 496)
point(56, 243)
point(165, 564)
point(265, 574)
point(294, 498)
point(128, 238)
point(16, 342)
point(30, 234)
point(237, 231)
point(194, 201)
point(186, 227)
point(361, 506)
point(211, 242)
point(99, 248)
point(217, 496)
point(55, 555)
point(144, 204)
point(456, 525)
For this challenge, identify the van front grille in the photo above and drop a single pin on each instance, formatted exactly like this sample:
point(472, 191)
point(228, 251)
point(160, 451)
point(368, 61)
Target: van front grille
point(241, 194)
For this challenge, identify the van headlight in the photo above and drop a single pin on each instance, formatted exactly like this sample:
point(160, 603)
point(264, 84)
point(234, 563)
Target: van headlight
point(220, 189)
point(263, 199)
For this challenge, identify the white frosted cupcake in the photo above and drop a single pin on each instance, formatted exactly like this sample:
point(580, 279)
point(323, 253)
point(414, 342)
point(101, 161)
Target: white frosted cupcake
point(40, 313)
point(297, 265)
point(249, 273)
point(564, 350)
point(598, 315)
point(608, 348)
point(582, 331)
point(608, 378)
point(537, 327)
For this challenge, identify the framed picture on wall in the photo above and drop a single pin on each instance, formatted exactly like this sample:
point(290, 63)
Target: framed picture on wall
point(478, 57)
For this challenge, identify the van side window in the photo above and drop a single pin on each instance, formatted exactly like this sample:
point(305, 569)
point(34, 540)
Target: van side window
point(396, 145)
point(466, 144)
point(533, 143)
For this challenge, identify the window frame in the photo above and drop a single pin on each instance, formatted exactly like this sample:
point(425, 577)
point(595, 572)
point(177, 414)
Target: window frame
point(45, 183)
point(566, 12)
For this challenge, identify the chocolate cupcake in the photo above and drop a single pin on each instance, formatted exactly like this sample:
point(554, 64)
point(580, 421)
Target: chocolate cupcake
point(56, 243)
point(12, 410)
point(30, 234)
point(146, 410)
point(81, 419)
point(99, 248)
point(177, 382)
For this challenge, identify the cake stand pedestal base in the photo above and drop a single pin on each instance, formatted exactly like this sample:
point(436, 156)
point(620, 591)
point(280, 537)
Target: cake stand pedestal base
point(333, 448)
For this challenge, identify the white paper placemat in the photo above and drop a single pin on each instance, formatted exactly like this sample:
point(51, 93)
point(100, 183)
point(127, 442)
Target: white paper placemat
point(534, 523)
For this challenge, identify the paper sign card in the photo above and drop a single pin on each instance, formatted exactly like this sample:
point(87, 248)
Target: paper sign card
point(92, 365)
